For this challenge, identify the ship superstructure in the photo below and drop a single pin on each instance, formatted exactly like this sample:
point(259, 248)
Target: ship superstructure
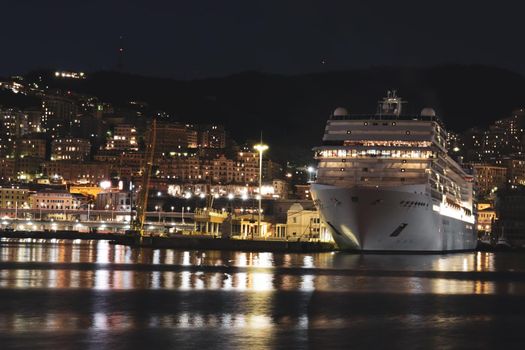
point(386, 182)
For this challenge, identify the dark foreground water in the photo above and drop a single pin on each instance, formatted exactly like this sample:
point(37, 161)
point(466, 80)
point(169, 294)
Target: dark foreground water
point(92, 295)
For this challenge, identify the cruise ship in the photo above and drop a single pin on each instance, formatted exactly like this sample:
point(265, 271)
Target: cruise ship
point(386, 183)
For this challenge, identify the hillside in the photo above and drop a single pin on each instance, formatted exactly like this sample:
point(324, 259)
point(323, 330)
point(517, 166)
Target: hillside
point(291, 110)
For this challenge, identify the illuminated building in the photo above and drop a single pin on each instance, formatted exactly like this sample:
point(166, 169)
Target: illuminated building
point(123, 138)
point(70, 149)
point(515, 170)
point(85, 172)
point(13, 124)
point(69, 75)
point(31, 146)
point(7, 169)
point(27, 168)
point(302, 191)
point(211, 136)
point(14, 197)
point(246, 167)
point(305, 224)
point(271, 170)
point(171, 137)
point(113, 200)
point(59, 113)
point(59, 200)
point(489, 177)
point(485, 218)
point(34, 119)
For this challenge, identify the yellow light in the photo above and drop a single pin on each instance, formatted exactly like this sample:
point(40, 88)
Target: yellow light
point(260, 147)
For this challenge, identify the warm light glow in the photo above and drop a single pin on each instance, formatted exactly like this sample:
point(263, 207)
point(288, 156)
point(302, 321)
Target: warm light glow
point(260, 147)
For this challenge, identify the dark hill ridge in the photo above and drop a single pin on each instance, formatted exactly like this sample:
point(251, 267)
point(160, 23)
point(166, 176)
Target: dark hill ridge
point(292, 110)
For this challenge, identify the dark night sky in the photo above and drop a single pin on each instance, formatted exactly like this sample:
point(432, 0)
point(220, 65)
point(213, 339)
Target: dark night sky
point(200, 38)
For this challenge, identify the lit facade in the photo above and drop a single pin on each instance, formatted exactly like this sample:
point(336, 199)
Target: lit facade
point(86, 172)
point(303, 224)
point(123, 138)
point(59, 201)
point(12, 197)
point(31, 147)
point(489, 177)
point(70, 149)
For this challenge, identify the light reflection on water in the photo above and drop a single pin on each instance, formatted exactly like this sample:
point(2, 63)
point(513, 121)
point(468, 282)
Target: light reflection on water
point(63, 286)
point(345, 270)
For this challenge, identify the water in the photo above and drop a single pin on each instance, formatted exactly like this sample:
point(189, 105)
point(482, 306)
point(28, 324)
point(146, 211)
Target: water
point(93, 295)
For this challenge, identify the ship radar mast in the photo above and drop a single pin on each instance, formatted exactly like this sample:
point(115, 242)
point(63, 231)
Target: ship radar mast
point(391, 104)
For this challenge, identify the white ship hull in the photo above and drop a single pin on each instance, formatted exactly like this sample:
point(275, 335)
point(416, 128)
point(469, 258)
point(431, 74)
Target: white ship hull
point(402, 218)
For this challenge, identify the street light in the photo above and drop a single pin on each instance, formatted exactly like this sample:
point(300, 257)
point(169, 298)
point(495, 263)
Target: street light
point(260, 148)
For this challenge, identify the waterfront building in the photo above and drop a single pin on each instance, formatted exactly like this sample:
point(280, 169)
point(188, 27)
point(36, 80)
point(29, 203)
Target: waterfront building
point(14, 197)
point(59, 204)
point(305, 224)
point(485, 217)
point(116, 201)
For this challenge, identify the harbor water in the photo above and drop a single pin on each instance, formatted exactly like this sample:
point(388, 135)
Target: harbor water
point(63, 294)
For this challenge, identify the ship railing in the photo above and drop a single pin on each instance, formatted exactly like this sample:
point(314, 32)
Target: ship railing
point(384, 117)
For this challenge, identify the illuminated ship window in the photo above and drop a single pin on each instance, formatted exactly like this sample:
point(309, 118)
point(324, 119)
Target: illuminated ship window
point(402, 170)
point(342, 169)
point(348, 132)
point(408, 132)
point(393, 123)
point(365, 123)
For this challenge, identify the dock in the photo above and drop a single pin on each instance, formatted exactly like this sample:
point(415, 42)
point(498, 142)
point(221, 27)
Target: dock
point(186, 242)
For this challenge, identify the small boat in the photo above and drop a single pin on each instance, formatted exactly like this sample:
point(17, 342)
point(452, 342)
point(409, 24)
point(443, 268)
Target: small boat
point(485, 243)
